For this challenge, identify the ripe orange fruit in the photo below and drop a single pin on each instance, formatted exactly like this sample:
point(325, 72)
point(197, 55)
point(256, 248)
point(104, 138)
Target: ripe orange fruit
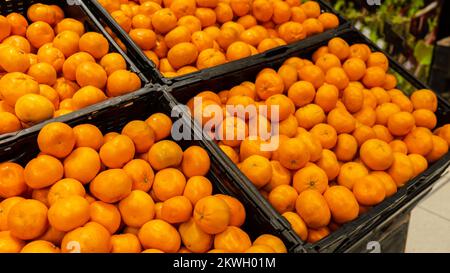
point(67, 42)
point(342, 203)
point(399, 146)
point(402, 170)
point(293, 154)
point(9, 243)
point(425, 118)
point(315, 235)
point(105, 214)
point(301, 93)
point(15, 85)
point(326, 134)
point(401, 123)
point(40, 246)
point(87, 135)
point(12, 182)
point(377, 154)
point(310, 115)
point(51, 55)
point(328, 162)
point(424, 99)
point(69, 213)
point(32, 109)
point(329, 20)
point(56, 139)
point(232, 239)
point(311, 9)
point(313, 208)
point(137, 208)
point(111, 186)
point(196, 188)
point(161, 125)
point(83, 164)
point(65, 188)
point(389, 184)
point(369, 190)
point(210, 57)
point(382, 133)
point(18, 24)
point(419, 141)
point(122, 82)
point(43, 73)
point(176, 210)
point(165, 154)
point(27, 219)
point(117, 152)
point(283, 198)
point(280, 176)
point(212, 214)
point(91, 74)
point(297, 224)
point(94, 44)
point(439, 149)
point(43, 171)
point(195, 239)
point(419, 163)
point(140, 173)
point(9, 123)
point(125, 243)
point(182, 54)
point(310, 177)
point(195, 162)
point(91, 238)
point(141, 134)
point(70, 24)
point(346, 147)
point(375, 77)
point(71, 64)
point(292, 32)
point(341, 120)
point(350, 173)
point(160, 235)
point(257, 169)
point(168, 183)
point(39, 33)
point(272, 241)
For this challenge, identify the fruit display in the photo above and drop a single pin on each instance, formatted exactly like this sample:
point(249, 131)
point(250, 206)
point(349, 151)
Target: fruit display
point(184, 36)
point(122, 192)
point(348, 139)
point(51, 65)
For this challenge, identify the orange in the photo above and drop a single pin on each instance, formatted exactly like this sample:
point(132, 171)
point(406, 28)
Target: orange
point(419, 141)
point(140, 173)
point(18, 42)
point(92, 74)
point(67, 42)
point(285, 106)
point(43, 73)
point(402, 170)
point(293, 154)
point(292, 32)
point(311, 9)
point(39, 33)
point(355, 68)
point(210, 57)
point(212, 214)
point(107, 215)
point(112, 62)
point(262, 10)
point(70, 65)
point(237, 210)
point(312, 74)
point(247, 21)
point(315, 235)
point(226, 36)
point(424, 99)
point(70, 24)
point(283, 198)
point(230, 152)
point(257, 169)
point(425, 118)
point(137, 208)
point(122, 82)
point(144, 38)
point(65, 188)
point(122, 19)
point(90, 238)
point(9, 123)
point(377, 154)
point(182, 54)
point(202, 40)
point(87, 135)
point(326, 97)
point(87, 96)
point(313, 144)
point(385, 111)
point(9, 243)
point(339, 47)
point(69, 213)
point(117, 152)
point(111, 186)
point(27, 219)
point(346, 147)
point(18, 24)
point(40, 246)
point(168, 183)
point(12, 182)
point(194, 238)
point(353, 99)
point(383, 133)
point(141, 134)
point(375, 77)
point(94, 44)
point(328, 61)
point(53, 56)
point(313, 209)
point(224, 13)
point(419, 163)
point(402, 101)
point(53, 236)
point(43, 171)
point(328, 162)
point(125, 243)
point(260, 249)
point(366, 116)
point(206, 16)
point(289, 75)
point(161, 125)
point(238, 50)
point(196, 188)
point(195, 162)
point(378, 59)
point(369, 190)
point(342, 203)
point(310, 177)
point(232, 239)
point(310, 115)
point(231, 130)
point(281, 12)
point(41, 12)
point(313, 26)
point(240, 7)
point(272, 241)
point(381, 95)
point(370, 100)
point(329, 20)
point(298, 15)
point(288, 127)
point(32, 109)
point(280, 176)
point(361, 51)
point(301, 93)
point(297, 224)
point(164, 20)
point(5, 207)
point(176, 210)
point(326, 134)
point(165, 153)
point(399, 146)
point(341, 120)
point(401, 123)
point(321, 51)
point(41, 195)
point(141, 21)
point(13, 59)
point(148, 8)
point(389, 184)
point(390, 82)
point(350, 173)
point(83, 164)
point(439, 149)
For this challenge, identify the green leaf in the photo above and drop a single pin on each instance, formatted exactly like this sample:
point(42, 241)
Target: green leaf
point(423, 53)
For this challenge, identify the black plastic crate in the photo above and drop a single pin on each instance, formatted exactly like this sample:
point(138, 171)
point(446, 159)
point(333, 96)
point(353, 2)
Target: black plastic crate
point(17, 143)
point(150, 70)
point(159, 100)
point(349, 234)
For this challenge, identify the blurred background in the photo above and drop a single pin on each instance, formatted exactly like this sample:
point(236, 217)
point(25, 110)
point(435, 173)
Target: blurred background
point(415, 32)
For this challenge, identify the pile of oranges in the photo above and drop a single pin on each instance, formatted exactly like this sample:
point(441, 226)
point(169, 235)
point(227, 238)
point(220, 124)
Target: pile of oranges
point(183, 36)
point(120, 192)
point(348, 138)
point(50, 66)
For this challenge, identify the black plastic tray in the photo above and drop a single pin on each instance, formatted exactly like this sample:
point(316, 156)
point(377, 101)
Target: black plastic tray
point(150, 70)
point(160, 100)
point(14, 144)
point(350, 233)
